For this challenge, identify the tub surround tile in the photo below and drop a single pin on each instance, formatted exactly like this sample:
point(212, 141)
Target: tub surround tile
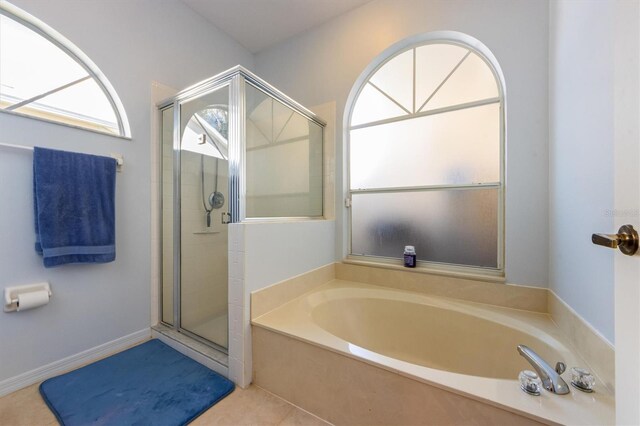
point(236, 291)
point(594, 348)
point(236, 237)
point(499, 294)
point(346, 391)
point(269, 298)
point(237, 307)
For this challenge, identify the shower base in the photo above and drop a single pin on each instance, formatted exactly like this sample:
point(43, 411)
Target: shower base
point(213, 329)
point(215, 359)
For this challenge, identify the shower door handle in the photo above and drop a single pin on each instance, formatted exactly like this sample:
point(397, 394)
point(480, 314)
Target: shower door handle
point(226, 221)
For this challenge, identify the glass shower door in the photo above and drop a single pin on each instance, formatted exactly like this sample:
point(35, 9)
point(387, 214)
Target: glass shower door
point(204, 195)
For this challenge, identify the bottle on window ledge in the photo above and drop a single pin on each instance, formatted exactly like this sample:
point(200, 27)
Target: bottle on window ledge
point(409, 256)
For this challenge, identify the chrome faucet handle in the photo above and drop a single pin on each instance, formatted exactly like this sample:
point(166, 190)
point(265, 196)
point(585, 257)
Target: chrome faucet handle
point(551, 379)
point(561, 367)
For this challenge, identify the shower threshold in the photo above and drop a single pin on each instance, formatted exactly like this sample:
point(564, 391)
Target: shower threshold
point(213, 358)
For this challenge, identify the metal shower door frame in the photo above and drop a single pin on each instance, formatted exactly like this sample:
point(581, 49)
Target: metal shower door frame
point(236, 79)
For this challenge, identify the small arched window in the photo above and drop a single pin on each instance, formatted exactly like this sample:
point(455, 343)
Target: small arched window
point(43, 75)
point(426, 156)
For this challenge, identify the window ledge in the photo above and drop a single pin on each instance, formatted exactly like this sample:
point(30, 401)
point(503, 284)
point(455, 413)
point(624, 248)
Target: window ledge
point(59, 123)
point(492, 276)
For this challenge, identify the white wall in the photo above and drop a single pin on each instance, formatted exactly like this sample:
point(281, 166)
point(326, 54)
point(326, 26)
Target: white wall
point(581, 158)
point(322, 65)
point(134, 43)
point(262, 254)
point(277, 251)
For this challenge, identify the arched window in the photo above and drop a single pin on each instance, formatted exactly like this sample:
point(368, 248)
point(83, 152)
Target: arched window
point(425, 137)
point(44, 75)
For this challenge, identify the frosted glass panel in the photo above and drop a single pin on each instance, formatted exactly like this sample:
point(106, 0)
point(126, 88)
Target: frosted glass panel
point(472, 81)
point(283, 160)
point(454, 226)
point(373, 106)
point(433, 63)
point(458, 147)
point(394, 78)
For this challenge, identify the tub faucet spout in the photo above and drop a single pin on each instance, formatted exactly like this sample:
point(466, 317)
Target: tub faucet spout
point(551, 379)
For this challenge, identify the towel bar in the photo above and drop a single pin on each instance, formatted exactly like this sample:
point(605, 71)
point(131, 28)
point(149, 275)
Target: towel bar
point(118, 157)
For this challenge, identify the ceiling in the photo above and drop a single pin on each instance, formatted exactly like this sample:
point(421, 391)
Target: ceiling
point(258, 24)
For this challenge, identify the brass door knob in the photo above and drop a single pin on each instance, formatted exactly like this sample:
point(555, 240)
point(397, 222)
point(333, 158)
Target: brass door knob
point(626, 240)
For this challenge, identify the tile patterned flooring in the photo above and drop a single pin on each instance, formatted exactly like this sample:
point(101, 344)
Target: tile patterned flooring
point(252, 406)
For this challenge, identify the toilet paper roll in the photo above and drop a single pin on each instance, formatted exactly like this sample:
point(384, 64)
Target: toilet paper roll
point(32, 299)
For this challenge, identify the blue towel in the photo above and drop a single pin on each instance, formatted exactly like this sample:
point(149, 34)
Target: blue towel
point(74, 206)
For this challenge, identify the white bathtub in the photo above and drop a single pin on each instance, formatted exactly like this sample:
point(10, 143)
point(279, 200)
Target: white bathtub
point(463, 347)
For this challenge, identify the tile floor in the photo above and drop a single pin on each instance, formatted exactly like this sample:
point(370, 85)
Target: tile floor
point(252, 406)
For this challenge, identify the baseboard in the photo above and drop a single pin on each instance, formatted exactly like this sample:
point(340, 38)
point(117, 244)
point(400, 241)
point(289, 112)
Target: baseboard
point(39, 374)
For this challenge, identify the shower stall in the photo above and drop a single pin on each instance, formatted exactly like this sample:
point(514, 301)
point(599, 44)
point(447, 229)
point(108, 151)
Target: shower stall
point(234, 149)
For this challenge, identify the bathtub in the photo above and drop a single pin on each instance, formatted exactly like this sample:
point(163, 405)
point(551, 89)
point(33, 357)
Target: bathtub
point(465, 348)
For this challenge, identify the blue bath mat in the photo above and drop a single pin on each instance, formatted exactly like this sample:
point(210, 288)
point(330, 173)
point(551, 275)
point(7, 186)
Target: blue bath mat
point(150, 384)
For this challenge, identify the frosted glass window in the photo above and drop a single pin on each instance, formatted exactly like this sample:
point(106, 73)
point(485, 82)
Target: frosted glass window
point(430, 150)
point(452, 226)
point(40, 79)
point(434, 62)
point(426, 166)
point(23, 73)
point(373, 105)
point(391, 79)
point(283, 160)
point(472, 81)
point(84, 101)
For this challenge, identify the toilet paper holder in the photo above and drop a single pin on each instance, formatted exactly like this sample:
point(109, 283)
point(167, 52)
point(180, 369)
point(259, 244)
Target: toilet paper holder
point(11, 294)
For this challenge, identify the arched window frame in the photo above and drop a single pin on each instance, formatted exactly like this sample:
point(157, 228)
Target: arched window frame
point(442, 37)
point(36, 25)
